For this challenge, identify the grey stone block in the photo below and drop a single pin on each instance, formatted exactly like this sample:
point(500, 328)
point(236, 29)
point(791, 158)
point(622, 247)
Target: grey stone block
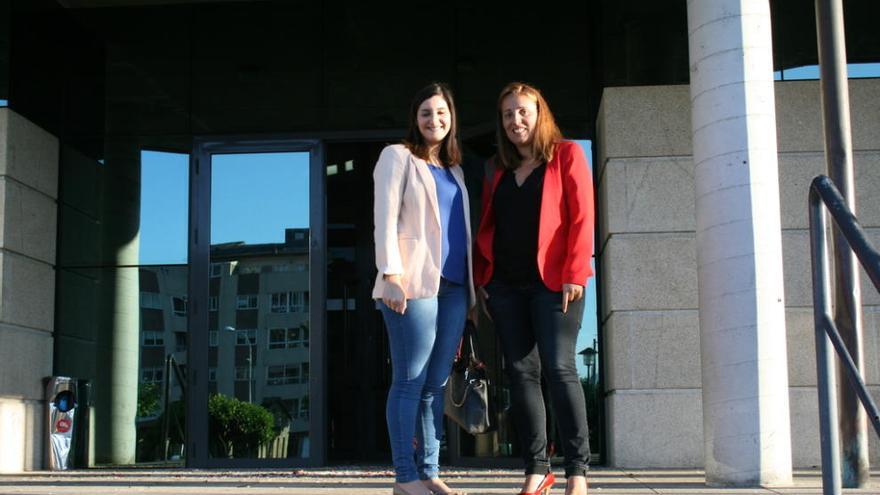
point(873, 441)
point(649, 195)
point(28, 221)
point(22, 427)
point(653, 350)
point(864, 104)
point(28, 153)
point(649, 272)
point(804, 410)
point(801, 346)
point(802, 378)
point(655, 428)
point(798, 274)
point(2, 211)
point(645, 121)
point(799, 115)
point(27, 359)
point(27, 294)
point(871, 336)
point(796, 268)
point(797, 171)
point(655, 120)
point(866, 167)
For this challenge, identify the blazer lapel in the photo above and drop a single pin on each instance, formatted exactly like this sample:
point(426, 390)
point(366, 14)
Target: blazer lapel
point(431, 188)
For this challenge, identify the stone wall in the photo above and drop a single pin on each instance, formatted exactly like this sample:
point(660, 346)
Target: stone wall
point(647, 259)
point(28, 219)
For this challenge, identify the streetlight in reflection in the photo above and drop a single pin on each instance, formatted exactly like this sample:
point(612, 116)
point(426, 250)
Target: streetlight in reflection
point(589, 355)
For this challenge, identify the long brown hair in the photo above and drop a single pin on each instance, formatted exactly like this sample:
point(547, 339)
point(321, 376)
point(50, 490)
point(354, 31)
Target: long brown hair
point(547, 134)
point(450, 153)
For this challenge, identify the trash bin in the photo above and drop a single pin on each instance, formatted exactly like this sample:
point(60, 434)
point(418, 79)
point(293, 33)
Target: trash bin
point(67, 428)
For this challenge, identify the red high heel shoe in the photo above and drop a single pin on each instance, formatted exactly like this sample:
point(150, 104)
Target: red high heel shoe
point(544, 487)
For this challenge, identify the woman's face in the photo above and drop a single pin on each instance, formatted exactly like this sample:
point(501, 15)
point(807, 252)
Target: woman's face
point(434, 119)
point(519, 115)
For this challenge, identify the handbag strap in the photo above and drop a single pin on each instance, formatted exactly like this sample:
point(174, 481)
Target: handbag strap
point(456, 403)
point(470, 333)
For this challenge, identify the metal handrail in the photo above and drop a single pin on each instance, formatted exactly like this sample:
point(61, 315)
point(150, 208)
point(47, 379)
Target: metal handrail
point(823, 192)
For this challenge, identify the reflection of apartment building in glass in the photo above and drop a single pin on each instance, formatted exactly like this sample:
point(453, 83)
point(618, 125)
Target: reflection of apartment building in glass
point(258, 330)
point(163, 296)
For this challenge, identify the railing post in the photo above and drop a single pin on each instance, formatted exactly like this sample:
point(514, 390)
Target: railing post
point(825, 369)
point(838, 157)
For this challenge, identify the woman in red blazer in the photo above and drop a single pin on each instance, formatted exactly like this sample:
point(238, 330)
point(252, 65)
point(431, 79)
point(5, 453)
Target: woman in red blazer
point(531, 264)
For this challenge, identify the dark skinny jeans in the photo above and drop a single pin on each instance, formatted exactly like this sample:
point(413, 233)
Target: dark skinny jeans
point(537, 337)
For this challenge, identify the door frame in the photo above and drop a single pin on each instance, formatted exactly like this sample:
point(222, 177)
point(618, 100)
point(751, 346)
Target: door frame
point(204, 147)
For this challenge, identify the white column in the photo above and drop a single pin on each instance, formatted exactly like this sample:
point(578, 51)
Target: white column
point(739, 247)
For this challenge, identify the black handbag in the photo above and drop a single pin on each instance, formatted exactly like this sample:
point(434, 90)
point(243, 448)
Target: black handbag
point(467, 391)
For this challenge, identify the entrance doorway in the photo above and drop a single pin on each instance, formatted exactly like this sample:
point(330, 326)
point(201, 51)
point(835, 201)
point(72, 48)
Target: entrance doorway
point(256, 304)
point(359, 371)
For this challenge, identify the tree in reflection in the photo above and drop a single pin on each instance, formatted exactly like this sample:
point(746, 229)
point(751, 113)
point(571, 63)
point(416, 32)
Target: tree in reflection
point(237, 428)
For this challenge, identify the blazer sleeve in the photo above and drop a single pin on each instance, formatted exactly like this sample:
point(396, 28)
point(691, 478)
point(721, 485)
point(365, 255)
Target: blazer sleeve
point(483, 240)
point(389, 180)
point(577, 186)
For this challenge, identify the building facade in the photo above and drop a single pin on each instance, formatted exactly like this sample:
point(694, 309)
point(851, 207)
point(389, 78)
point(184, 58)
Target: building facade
point(186, 219)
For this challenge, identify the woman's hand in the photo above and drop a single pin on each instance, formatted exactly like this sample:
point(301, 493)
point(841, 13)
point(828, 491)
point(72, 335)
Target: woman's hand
point(571, 293)
point(394, 296)
point(483, 296)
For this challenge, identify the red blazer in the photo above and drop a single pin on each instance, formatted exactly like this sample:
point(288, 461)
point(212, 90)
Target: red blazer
point(565, 232)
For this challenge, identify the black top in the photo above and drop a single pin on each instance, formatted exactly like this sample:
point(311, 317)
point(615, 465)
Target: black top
point(517, 211)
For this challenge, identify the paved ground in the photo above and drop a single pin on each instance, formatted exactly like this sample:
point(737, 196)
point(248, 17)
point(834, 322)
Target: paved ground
point(368, 481)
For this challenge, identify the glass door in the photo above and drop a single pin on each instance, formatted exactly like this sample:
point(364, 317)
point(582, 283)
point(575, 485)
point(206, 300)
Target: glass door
point(256, 311)
point(358, 369)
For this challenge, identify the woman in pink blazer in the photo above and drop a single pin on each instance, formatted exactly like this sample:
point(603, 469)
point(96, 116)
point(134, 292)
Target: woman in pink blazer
point(424, 286)
point(532, 263)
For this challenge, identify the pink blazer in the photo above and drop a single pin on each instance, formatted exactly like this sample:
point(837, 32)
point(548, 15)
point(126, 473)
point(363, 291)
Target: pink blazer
point(407, 223)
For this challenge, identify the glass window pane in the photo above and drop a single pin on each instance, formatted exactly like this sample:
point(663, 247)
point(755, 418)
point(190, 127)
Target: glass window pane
point(259, 228)
point(164, 200)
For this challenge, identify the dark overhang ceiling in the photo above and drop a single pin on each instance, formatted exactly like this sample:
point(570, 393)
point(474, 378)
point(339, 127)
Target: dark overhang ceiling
point(92, 4)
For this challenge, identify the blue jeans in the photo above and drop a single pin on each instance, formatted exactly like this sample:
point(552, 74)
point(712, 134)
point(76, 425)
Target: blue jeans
point(423, 342)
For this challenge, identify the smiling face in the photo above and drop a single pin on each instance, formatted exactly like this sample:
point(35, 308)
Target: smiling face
point(519, 117)
point(434, 120)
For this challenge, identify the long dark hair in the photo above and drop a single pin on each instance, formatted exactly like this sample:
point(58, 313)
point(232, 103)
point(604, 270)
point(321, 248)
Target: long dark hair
point(450, 153)
point(547, 133)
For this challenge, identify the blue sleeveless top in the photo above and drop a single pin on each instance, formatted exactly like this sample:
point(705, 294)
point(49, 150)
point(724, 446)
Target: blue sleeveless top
point(450, 200)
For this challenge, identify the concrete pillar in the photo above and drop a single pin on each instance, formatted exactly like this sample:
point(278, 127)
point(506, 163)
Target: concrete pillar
point(28, 215)
point(739, 248)
point(116, 379)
